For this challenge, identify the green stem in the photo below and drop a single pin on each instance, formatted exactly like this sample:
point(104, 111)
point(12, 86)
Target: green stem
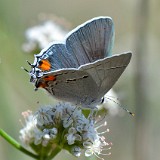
point(54, 153)
point(14, 143)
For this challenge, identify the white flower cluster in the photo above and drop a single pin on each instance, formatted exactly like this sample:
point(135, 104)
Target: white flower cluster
point(38, 37)
point(30, 134)
point(65, 126)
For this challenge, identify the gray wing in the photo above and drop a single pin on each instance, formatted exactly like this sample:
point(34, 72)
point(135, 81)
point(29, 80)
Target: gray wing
point(92, 40)
point(107, 71)
point(71, 85)
point(59, 57)
point(87, 43)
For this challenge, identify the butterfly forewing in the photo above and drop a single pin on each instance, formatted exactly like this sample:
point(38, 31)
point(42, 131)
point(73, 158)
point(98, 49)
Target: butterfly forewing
point(91, 41)
point(59, 57)
point(88, 42)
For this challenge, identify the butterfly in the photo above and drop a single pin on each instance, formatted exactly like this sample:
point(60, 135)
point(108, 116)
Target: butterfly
point(81, 69)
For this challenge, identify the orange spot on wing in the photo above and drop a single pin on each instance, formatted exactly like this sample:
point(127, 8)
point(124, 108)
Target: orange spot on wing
point(44, 65)
point(49, 78)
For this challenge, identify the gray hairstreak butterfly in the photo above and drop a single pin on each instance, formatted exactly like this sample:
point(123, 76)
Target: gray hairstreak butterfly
point(80, 70)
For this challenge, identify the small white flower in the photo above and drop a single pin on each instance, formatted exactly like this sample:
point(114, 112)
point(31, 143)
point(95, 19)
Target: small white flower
point(50, 133)
point(96, 148)
point(72, 136)
point(92, 148)
point(76, 151)
point(28, 133)
point(45, 117)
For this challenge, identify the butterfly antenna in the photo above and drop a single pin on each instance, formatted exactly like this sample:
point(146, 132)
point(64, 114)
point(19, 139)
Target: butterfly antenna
point(132, 114)
point(113, 97)
point(29, 63)
point(25, 69)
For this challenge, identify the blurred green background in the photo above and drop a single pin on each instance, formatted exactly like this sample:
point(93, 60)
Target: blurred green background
point(137, 26)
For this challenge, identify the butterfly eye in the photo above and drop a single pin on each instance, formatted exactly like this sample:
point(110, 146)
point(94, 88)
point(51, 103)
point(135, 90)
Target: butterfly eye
point(102, 100)
point(40, 63)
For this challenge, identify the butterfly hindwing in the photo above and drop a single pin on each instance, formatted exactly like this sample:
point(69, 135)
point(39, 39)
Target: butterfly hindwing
point(107, 71)
point(70, 85)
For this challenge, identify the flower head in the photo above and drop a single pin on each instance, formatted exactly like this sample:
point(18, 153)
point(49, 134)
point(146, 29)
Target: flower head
point(63, 126)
